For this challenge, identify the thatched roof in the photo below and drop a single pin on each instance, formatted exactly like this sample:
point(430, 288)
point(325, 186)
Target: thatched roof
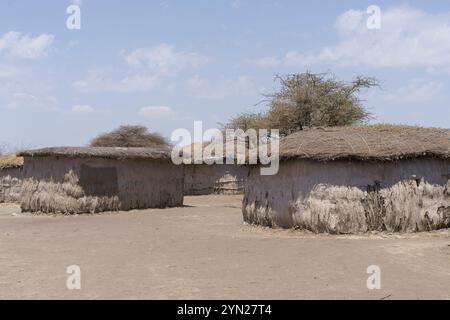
point(229, 148)
point(7, 162)
point(100, 152)
point(375, 142)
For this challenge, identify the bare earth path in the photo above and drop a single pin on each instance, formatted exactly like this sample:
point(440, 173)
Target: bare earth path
point(203, 251)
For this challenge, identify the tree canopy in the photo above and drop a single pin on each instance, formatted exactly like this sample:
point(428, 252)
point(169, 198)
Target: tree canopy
point(309, 100)
point(130, 136)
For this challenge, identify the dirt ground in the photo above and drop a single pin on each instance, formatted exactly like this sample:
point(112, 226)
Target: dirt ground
point(203, 251)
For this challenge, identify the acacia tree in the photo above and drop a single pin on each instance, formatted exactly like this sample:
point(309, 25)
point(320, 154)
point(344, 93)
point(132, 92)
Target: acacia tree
point(310, 100)
point(130, 136)
point(247, 120)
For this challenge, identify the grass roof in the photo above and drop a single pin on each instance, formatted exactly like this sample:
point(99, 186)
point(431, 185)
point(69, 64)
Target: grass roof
point(100, 152)
point(374, 142)
point(7, 162)
point(227, 149)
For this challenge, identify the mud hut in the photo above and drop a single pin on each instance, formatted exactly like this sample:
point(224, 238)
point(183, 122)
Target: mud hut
point(79, 180)
point(356, 179)
point(10, 178)
point(203, 179)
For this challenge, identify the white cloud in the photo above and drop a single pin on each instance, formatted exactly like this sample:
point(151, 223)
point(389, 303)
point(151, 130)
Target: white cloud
point(164, 59)
point(25, 100)
point(156, 111)
point(416, 91)
point(24, 88)
point(8, 71)
point(408, 38)
point(82, 109)
point(268, 62)
point(203, 88)
point(98, 81)
point(349, 22)
point(17, 45)
point(236, 4)
point(146, 69)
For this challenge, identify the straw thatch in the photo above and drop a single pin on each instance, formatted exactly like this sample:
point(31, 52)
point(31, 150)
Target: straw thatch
point(100, 152)
point(10, 178)
point(67, 197)
point(405, 207)
point(217, 149)
point(7, 162)
point(375, 142)
point(10, 187)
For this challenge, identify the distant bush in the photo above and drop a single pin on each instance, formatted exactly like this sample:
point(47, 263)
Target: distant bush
point(130, 136)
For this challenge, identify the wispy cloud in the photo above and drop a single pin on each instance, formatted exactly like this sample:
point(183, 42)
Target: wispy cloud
point(408, 38)
point(145, 69)
point(236, 4)
point(156, 111)
point(28, 101)
point(21, 46)
point(9, 71)
point(164, 59)
point(82, 109)
point(97, 81)
point(223, 87)
point(418, 91)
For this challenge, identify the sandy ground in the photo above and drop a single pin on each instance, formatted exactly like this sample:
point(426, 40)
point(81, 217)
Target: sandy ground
point(203, 251)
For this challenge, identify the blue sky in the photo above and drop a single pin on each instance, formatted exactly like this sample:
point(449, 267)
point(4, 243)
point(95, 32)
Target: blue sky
point(164, 64)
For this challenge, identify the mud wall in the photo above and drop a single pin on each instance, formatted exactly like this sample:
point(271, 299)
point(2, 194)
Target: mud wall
point(139, 184)
point(10, 184)
point(351, 196)
point(220, 179)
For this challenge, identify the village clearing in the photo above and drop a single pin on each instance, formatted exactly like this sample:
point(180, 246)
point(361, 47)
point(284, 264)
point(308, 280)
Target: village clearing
point(204, 251)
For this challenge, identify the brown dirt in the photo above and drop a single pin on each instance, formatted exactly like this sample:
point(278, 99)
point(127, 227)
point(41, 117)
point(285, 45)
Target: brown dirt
point(203, 251)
